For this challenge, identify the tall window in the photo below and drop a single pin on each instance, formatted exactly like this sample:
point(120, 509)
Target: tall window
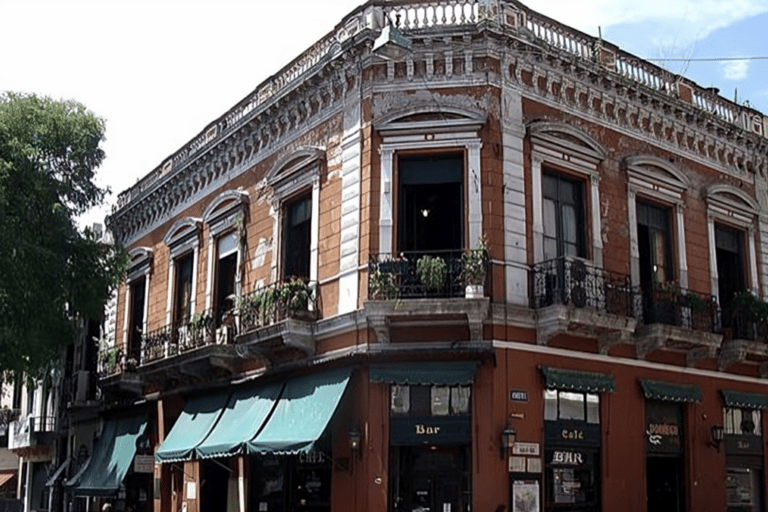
point(138, 292)
point(298, 237)
point(655, 245)
point(431, 211)
point(183, 293)
point(563, 216)
point(226, 271)
point(571, 405)
point(729, 251)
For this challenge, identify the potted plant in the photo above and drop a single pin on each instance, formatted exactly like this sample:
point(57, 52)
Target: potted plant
point(432, 272)
point(383, 285)
point(475, 262)
point(298, 296)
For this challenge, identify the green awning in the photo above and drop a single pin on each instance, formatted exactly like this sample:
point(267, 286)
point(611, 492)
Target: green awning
point(241, 420)
point(302, 413)
point(423, 373)
point(746, 400)
point(196, 421)
point(669, 392)
point(591, 382)
point(111, 458)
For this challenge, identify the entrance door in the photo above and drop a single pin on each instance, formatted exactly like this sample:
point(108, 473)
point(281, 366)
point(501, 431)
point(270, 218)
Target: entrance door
point(664, 476)
point(431, 479)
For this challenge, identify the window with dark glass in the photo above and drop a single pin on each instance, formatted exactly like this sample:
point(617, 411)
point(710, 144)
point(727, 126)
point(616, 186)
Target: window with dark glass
point(138, 292)
point(183, 293)
point(564, 217)
point(431, 205)
point(226, 270)
point(654, 242)
point(298, 237)
point(729, 251)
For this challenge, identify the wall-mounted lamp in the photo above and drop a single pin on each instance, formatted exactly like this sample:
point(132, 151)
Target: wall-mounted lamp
point(508, 436)
point(716, 436)
point(354, 440)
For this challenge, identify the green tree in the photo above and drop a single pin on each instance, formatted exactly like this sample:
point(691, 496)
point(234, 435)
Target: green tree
point(51, 274)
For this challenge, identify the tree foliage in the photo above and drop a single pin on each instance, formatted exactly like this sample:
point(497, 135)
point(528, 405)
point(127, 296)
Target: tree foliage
point(51, 274)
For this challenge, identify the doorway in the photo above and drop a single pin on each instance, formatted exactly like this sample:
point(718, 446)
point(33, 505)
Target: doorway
point(430, 479)
point(664, 477)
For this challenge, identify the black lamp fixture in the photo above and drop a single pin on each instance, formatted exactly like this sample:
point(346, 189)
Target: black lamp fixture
point(716, 433)
point(508, 436)
point(391, 43)
point(354, 440)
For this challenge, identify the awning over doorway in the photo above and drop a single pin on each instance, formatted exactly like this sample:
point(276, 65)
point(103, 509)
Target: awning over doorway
point(194, 424)
point(302, 414)
point(746, 400)
point(424, 373)
point(670, 392)
point(112, 456)
point(590, 382)
point(241, 420)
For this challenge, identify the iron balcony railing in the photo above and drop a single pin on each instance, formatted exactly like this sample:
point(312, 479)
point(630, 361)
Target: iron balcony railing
point(672, 305)
point(171, 340)
point(573, 282)
point(272, 304)
point(399, 278)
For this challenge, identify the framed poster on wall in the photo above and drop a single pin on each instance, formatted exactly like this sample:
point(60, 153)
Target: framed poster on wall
point(525, 496)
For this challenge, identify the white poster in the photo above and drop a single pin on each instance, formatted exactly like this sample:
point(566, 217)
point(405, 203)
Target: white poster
point(525, 496)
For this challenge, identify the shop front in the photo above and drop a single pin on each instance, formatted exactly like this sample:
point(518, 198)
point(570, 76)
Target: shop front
point(665, 443)
point(430, 435)
point(744, 457)
point(264, 447)
point(572, 436)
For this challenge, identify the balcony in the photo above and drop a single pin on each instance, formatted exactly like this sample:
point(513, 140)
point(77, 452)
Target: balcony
point(275, 323)
point(32, 435)
point(672, 318)
point(745, 333)
point(572, 297)
point(423, 288)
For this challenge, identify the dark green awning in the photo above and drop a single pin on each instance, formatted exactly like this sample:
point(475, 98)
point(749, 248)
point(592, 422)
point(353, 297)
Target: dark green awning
point(111, 458)
point(241, 420)
point(746, 400)
point(302, 413)
point(420, 373)
point(195, 422)
point(669, 392)
point(591, 382)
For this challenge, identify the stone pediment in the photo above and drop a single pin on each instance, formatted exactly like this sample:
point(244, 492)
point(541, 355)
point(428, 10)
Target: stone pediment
point(429, 118)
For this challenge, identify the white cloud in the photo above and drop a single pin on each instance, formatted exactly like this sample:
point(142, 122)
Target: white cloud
point(735, 69)
point(688, 20)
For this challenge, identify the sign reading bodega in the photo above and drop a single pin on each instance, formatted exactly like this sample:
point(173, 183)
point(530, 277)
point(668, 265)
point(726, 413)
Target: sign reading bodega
point(656, 431)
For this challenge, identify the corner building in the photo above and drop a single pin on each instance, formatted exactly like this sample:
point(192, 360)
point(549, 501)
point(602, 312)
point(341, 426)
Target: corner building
point(287, 346)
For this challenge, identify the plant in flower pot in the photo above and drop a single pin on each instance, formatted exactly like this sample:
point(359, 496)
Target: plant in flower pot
point(475, 262)
point(432, 272)
point(383, 285)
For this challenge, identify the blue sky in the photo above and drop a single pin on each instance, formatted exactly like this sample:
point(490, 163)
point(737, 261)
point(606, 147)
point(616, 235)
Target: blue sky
point(160, 70)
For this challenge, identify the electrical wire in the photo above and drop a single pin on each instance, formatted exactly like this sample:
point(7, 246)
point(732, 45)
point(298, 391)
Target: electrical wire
point(712, 59)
